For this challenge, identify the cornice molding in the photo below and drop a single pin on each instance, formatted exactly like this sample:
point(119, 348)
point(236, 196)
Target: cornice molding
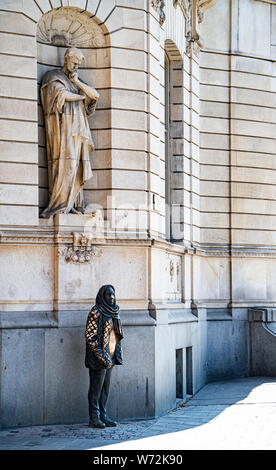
point(85, 242)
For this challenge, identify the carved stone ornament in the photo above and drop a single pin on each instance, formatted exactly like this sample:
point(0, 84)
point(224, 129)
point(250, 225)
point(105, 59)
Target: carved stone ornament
point(70, 27)
point(202, 6)
point(159, 6)
point(171, 270)
point(193, 11)
point(185, 6)
point(82, 250)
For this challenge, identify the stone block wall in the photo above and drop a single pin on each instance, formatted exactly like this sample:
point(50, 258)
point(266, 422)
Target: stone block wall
point(183, 175)
point(18, 111)
point(237, 152)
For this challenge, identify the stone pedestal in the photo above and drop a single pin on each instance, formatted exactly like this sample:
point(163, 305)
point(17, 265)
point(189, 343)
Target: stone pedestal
point(86, 223)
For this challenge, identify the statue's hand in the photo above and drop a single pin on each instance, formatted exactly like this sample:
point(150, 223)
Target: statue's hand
point(96, 94)
point(74, 77)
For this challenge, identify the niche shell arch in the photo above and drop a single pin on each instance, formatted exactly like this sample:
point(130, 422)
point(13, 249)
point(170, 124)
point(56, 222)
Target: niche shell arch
point(69, 26)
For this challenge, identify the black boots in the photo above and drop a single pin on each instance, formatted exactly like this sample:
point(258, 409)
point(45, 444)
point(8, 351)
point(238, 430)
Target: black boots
point(104, 421)
point(108, 422)
point(96, 423)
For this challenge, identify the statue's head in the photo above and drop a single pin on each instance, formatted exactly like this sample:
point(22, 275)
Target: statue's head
point(106, 295)
point(72, 58)
point(106, 303)
point(109, 295)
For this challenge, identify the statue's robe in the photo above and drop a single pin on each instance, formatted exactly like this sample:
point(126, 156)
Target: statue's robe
point(68, 140)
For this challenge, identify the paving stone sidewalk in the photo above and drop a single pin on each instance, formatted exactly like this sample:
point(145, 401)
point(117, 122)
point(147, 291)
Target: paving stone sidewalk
point(237, 414)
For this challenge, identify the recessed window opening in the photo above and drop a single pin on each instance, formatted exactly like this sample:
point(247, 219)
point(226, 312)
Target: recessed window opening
point(179, 373)
point(167, 146)
point(189, 370)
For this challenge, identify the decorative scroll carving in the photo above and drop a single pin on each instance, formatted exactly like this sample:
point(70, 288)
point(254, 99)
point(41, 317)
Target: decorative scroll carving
point(82, 250)
point(159, 6)
point(70, 27)
point(202, 6)
point(205, 4)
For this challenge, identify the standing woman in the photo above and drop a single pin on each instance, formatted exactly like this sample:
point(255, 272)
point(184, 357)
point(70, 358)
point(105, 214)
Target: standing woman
point(103, 350)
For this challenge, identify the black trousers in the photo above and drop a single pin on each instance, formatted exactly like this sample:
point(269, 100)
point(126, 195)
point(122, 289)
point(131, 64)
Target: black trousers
point(98, 392)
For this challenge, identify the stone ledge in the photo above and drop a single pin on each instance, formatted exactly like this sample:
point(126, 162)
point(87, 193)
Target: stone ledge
point(166, 314)
point(181, 316)
point(67, 319)
point(219, 314)
point(46, 235)
point(17, 320)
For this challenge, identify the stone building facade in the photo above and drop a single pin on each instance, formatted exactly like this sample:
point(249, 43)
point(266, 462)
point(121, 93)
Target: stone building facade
point(183, 194)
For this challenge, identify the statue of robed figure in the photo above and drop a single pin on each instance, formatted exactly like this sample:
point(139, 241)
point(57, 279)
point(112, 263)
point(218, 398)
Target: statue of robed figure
point(66, 102)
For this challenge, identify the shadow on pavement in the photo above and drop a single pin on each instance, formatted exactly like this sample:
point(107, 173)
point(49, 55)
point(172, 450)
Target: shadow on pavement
point(207, 404)
point(212, 400)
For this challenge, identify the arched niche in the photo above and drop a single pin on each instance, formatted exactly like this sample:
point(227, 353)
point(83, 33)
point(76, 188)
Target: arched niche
point(57, 30)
